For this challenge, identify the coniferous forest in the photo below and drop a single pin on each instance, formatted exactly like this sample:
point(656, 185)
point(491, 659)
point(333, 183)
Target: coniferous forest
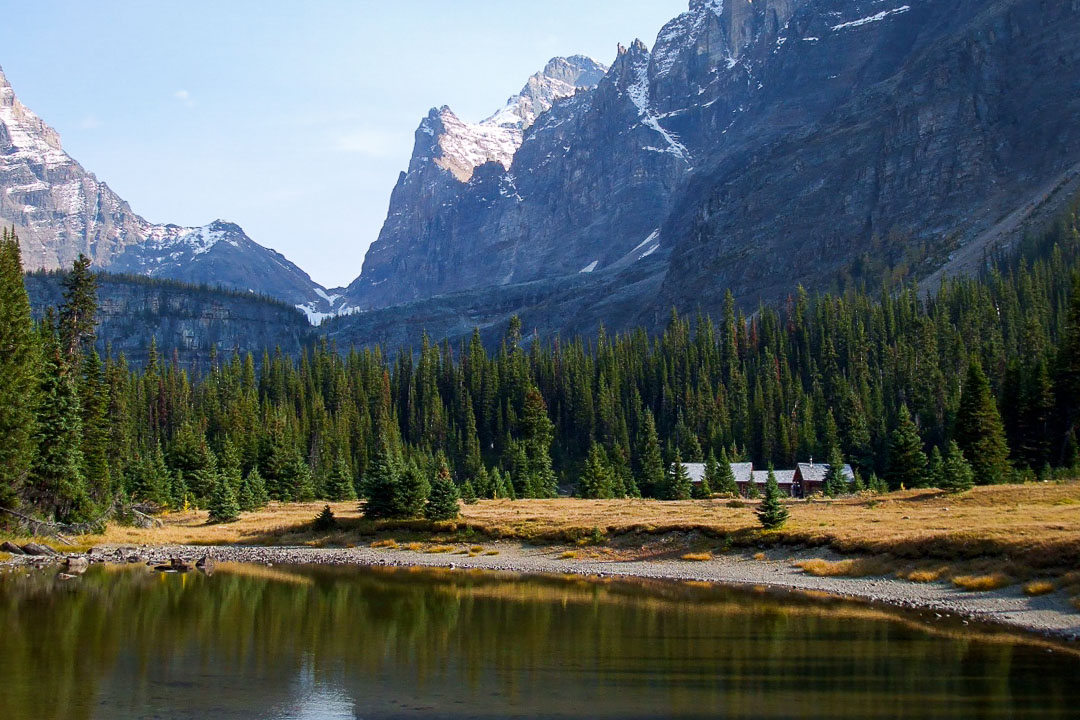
point(978, 381)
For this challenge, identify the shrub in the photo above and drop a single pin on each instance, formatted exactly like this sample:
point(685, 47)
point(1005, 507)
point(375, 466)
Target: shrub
point(982, 583)
point(697, 557)
point(325, 520)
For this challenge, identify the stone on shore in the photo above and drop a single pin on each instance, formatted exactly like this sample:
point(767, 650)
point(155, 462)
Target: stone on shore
point(38, 550)
point(10, 547)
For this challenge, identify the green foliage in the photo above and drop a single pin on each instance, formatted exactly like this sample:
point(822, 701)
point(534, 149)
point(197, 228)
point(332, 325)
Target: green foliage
point(223, 505)
point(771, 511)
point(252, 494)
point(678, 480)
point(468, 492)
point(19, 383)
point(442, 503)
point(339, 485)
point(325, 520)
point(835, 482)
point(979, 430)
point(597, 479)
point(907, 461)
point(703, 490)
point(956, 473)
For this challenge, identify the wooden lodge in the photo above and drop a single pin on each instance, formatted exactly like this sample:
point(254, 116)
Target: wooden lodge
point(805, 480)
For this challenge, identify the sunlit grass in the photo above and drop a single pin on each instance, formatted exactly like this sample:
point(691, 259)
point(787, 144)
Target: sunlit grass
point(697, 557)
point(1039, 587)
point(568, 554)
point(982, 583)
point(385, 543)
point(851, 567)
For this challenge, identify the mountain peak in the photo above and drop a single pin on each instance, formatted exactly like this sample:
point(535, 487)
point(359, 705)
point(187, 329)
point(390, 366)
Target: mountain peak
point(560, 78)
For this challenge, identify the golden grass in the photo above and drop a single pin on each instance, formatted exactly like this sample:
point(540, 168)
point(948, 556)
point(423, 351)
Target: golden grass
point(441, 549)
point(569, 555)
point(925, 576)
point(385, 543)
point(476, 549)
point(5, 556)
point(1036, 526)
point(1039, 587)
point(491, 552)
point(697, 557)
point(851, 567)
point(759, 556)
point(982, 583)
point(413, 546)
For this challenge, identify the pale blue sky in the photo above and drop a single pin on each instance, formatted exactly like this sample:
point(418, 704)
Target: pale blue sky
point(291, 119)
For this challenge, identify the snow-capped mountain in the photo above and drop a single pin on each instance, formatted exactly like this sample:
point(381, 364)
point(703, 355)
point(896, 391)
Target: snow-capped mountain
point(60, 211)
point(759, 145)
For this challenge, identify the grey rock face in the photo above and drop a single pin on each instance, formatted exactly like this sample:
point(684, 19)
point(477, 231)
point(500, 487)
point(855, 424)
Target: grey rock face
point(759, 145)
point(61, 211)
point(191, 321)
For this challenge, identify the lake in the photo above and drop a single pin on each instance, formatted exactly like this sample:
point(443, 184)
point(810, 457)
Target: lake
point(346, 642)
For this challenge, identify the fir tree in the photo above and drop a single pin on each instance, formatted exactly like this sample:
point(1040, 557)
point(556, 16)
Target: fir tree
point(651, 477)
point(771, 512)
point(596, 478)
point(78, 313)
point(979, 431)
point(223, 505)
point(935, 469)
point(703, 490)
point(325, 520)
point(956, 473)
point(381, 482)
point(339, 484)
point(907, 461)
point(726, 484)
point(413, 490)
point(468, 492)
point(442, 503)
point(679, 484)
point(835, 482)
point(253, 495)
point(537, 432)
point(56, 479)
point(19, 382)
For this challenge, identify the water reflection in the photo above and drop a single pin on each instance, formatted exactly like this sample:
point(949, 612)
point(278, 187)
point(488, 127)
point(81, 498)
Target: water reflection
point(252, 641)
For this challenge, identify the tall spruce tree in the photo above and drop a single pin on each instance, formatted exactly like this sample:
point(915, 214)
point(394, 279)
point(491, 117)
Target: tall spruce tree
point(596, 478)
point(907, 462)
point(19, 383)
point(537, 433)
point(679, 485)
point(442, 502)
point(223, 504)
point(651, 475)
point(835, 482)
point(956, 473)
point(979, 431)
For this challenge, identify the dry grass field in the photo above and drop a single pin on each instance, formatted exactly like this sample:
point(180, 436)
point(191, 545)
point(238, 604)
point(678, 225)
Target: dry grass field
point(990, 535)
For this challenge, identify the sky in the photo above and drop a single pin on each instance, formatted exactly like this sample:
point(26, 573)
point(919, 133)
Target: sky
point(291, 119)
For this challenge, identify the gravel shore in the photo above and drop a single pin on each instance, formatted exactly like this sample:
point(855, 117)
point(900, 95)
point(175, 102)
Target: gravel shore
point(1049, 615)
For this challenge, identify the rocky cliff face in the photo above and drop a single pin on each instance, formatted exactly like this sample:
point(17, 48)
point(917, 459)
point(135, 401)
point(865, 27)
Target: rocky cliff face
point(187, 322)
point(757, 146)
point(61, 211)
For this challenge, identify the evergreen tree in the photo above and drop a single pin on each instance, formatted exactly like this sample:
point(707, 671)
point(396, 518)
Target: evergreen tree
point(956, 473)
point(596, 478)
point(703, 490)
point(442, 503)
point(381, 482)
point(468, 492)
point(19, 382)
point(935, 469)
point(771, 512)
point(979, 431)
point(223, 505)
point(325, 520)
point(726, 484)
point(907, 461)
point(252, 494)
point(678, 483)
point(537, 433)
point(56, 480)
point(78, 313)
point(339, 484)
point(413, 491)
point(835, 482)
point(651, 477)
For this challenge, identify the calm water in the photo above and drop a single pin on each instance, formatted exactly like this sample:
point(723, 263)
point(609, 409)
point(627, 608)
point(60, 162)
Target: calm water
point(296, 642)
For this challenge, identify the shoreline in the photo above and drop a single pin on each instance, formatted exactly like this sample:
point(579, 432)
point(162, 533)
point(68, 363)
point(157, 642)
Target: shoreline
point(1047, 615)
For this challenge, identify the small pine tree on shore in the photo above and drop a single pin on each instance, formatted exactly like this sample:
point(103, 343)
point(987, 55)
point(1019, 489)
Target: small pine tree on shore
point(835, 482)
point(339, 485)
point(442, 502)
point(726, 484)
point(468, 493)
point(596, 479)
point(771, 512)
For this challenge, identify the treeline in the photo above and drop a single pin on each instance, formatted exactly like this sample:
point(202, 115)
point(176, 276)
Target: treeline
point(982, 377)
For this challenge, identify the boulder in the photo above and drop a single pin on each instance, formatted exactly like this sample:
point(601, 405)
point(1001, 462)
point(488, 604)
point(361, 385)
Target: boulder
point(179, 565)
point(206, 564)
point(77, 564)
point(10, 547)
point(38, 550)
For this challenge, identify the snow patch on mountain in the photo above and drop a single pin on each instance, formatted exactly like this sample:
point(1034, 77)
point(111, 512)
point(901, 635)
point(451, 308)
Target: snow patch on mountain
point(871, 19)
point(638, 92)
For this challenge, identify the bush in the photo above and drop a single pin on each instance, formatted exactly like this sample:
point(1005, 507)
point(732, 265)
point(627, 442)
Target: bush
point(325, 521)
